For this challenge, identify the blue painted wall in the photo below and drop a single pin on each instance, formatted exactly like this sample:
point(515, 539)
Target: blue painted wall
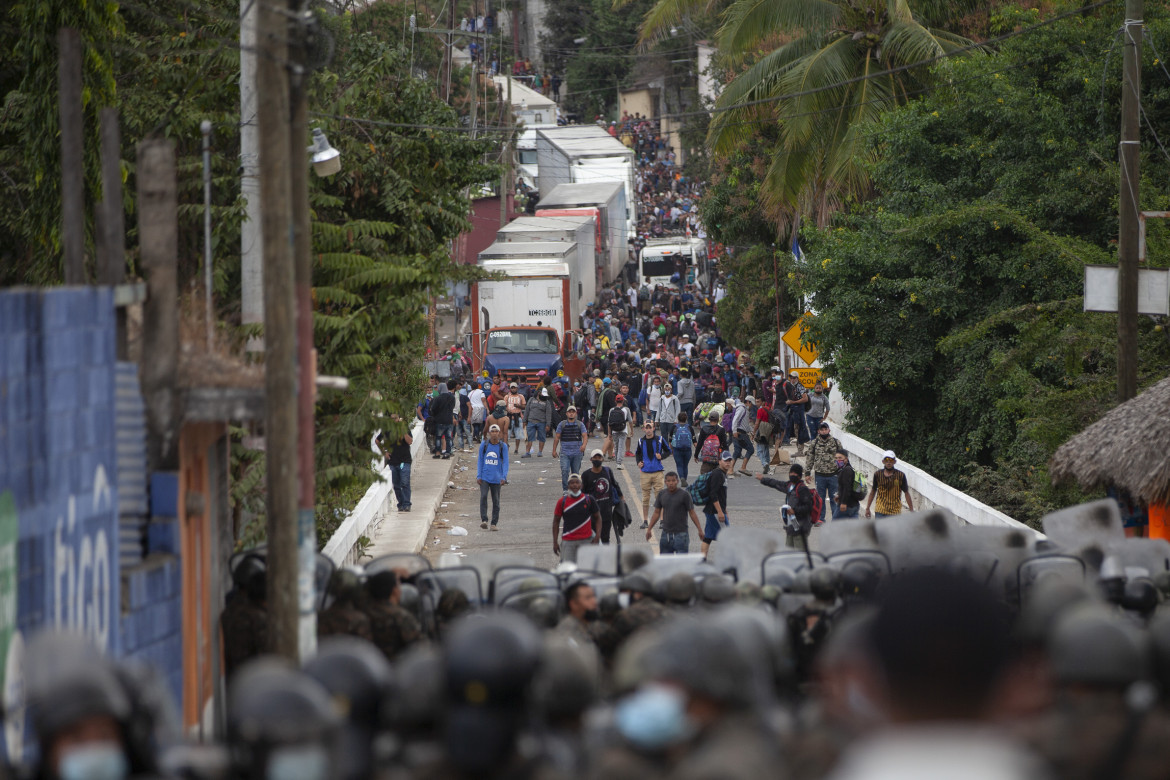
point(59, 562)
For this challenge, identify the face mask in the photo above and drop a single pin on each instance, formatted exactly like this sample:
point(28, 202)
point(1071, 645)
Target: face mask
point(94, 761)
point(823, 434)
point(574, 493)
point(819, 392)
point(623, 600)
point(793, 478)
point(298, 763)
point(654, 717)
point(596, 464)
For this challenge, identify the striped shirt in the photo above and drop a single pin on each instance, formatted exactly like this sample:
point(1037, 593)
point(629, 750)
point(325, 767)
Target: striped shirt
point(577, 514)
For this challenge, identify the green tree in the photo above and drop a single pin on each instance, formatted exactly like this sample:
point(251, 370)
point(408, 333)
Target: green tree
point(823, 89)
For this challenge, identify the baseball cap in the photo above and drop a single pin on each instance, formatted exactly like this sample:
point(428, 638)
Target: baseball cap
point(493, 428)
point(889, 454)
point(751, 399)
point(596, 454)
point(725, 455)
point(513, 384)
point(793, 373)
point(620, 398)
point(776, 369)
point(573, 476)
point(824, 424)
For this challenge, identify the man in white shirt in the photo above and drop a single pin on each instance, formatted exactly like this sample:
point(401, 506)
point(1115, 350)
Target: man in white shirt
point(686, 346)
point(478, 411)
point(632, 295)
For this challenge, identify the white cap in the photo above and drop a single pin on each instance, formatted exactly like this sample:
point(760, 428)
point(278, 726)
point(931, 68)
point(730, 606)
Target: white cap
point(750, 399)
point(493, 428)
point(889, 454)
point(596, 454)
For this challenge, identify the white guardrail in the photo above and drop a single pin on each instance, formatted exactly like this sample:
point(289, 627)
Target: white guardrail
point(927, 491)
point(376, 505)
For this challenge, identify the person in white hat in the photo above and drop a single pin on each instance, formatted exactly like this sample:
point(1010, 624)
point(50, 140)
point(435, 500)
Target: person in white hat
point(888, 486)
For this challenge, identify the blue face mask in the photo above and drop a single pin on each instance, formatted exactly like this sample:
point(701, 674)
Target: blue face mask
point(95, 761)
point(298, 763)
point(654, 717)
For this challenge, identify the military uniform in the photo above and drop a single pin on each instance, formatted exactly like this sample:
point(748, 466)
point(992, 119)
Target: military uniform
point(392, 628)
point(343, 618)
point(643, 612)
point(245, 633)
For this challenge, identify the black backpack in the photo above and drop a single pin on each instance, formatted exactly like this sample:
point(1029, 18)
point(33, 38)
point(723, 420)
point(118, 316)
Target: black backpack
point(617, 419)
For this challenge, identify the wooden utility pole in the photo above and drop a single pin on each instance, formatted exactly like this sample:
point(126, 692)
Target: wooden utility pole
point(298, 128)
point(111, 220)
point(72, 174)
point(280, 369)
point(158, 242)
point(1129, 216)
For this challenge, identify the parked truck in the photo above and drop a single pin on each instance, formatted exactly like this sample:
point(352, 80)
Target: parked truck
point(586, 154)
point(578, 229)
point(521, 323)
point(661, 258)
point(606, 200)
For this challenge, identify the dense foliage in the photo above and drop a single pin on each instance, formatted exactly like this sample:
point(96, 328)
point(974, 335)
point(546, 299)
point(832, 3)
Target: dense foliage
point(380, 228)
point(949, 304)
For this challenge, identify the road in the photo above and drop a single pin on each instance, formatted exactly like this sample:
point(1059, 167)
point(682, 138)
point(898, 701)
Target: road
point(527, 502)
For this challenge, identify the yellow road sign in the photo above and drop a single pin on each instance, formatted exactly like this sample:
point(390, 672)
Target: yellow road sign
point(808, 376)
point(791, 337)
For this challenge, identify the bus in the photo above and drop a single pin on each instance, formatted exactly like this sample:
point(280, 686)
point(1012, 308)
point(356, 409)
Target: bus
point(661, 258)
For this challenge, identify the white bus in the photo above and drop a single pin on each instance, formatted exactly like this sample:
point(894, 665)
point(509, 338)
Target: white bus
point(662, 257)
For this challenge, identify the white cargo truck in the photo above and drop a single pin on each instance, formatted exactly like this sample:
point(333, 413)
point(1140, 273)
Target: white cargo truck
point(606, 200)
point(661, 258)
point(519, 323)
point(580, 230)
point(585, 154)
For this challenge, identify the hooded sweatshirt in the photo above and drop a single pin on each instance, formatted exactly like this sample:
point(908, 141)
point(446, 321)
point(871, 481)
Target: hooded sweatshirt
point(492, 465)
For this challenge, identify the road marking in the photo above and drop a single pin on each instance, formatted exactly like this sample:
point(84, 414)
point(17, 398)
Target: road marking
point(633, 492)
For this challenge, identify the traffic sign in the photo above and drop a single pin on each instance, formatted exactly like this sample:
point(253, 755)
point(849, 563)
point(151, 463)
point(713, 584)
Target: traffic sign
point(808, 376)
point(791, 337)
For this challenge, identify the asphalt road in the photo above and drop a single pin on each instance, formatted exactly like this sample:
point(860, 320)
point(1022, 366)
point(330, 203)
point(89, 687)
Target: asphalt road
point(527, 502)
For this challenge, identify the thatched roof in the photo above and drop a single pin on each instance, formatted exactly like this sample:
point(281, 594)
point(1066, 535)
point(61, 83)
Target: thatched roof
point(1129, 447)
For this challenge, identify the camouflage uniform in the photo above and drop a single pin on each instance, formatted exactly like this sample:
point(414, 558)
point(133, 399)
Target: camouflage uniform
point(343, 618)
point(737, 746)
point(393, 628)
point(643, 612)
point(245, 633)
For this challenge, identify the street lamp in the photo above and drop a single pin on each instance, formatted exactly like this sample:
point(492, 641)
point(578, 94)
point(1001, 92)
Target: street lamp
point(326, 160)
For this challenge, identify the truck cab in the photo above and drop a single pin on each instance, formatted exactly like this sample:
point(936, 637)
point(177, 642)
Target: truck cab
point(518, 353)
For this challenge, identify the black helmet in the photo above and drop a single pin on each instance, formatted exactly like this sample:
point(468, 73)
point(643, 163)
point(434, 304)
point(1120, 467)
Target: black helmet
point(357, 675)
point(637, 583)
point(279, 716)
point(680, 588)
point(417, 704)
point(67, 681)
point(825, 583)
point(345, 585)
point(1093, 644)
point(717, 589)
point(699, 657)
point(247, 566)
point(566, 683)
point(489, 663)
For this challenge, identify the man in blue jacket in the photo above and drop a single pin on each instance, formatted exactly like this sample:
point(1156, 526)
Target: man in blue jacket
point(491, 471)
point(649, 452)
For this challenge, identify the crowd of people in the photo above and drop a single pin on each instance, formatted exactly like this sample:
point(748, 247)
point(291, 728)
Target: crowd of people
point(932, 653)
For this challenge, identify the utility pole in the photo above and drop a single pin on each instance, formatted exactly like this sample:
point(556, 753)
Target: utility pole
point(251, 236)
point(158, 243)
point(72, 175)
point(506, 175)
point(1127, 241)
point(111, 219)
point(280, 368)
point(307, 370)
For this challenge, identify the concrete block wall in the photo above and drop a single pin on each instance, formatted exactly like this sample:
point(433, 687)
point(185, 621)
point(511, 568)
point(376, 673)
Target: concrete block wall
point(59, 531)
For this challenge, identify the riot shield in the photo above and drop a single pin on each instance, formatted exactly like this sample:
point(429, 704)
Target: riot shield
point(1053, 568)
point(511, 580)
point(776, 567)
point(321, 576)
point(1141, 557)
point(411, 563)
point(1095, 522)
point(847, 535)
point(742, 550)
point(918, 538)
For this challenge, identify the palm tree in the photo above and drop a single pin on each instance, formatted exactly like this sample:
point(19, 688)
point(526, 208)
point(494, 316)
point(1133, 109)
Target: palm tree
point(825, 87)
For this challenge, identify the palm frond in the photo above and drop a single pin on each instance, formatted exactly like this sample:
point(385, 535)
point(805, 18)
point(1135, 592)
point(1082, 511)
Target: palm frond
point(751, 21)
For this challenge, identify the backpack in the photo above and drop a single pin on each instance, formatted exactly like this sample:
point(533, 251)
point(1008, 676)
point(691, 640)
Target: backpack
point(700, 489)
point(777, 417)
point(682, 437)
point(711, 449)
point(818, 507)
point(725, 421)
point(859, 486)
point(617, 419)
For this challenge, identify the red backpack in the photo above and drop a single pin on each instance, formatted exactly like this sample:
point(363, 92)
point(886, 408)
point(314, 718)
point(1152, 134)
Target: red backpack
point(818, 507)
point(711, 449)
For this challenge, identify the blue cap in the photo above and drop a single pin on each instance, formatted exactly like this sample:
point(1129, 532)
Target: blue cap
point(725, 455)
point(605, 381)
